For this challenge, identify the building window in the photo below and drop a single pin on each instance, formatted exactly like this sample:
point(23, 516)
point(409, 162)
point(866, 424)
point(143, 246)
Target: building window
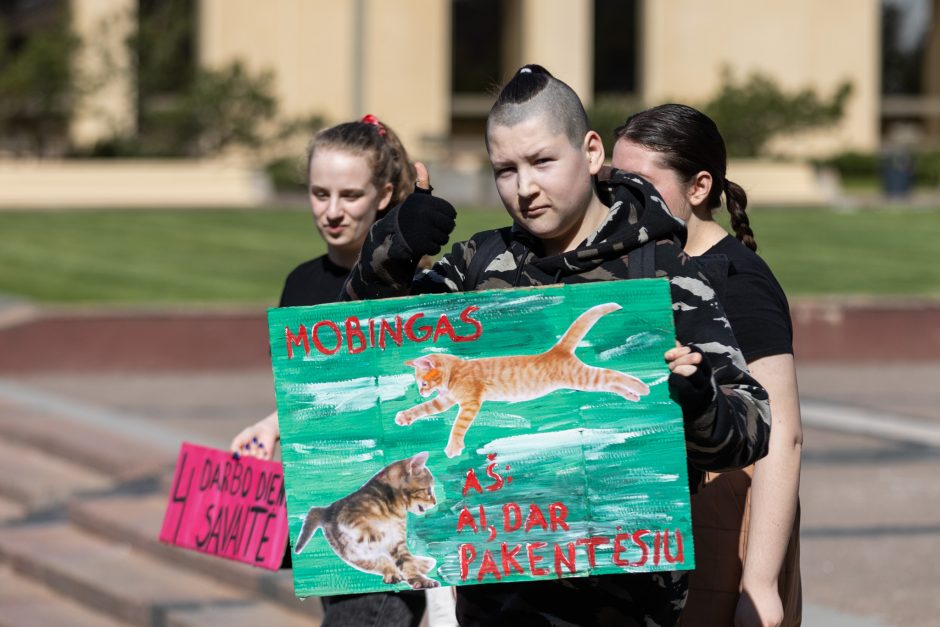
point(905, 26)
point(476, 63)
point(910, 69)
point(616, 47)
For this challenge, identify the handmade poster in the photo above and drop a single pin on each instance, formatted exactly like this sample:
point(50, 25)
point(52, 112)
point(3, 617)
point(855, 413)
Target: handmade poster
point(228, 507)
point(481, 437)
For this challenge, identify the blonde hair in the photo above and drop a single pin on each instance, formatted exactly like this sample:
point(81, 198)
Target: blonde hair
point(388, 160)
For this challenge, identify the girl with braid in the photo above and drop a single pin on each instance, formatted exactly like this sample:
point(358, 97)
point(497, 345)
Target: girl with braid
point(680, 151)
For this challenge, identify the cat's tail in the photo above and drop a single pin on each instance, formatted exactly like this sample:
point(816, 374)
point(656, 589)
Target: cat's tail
point(580, 327)
point(311, 524)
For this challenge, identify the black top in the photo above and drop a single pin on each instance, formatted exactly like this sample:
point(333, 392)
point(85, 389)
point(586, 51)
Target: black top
point(313, 282)
point(754, 302)
point(316, 282)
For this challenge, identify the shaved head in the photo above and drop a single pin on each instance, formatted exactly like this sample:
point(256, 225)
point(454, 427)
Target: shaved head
point(534, 92)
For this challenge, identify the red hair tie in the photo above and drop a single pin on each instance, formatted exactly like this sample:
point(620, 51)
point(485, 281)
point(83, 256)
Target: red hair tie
point(374, 121)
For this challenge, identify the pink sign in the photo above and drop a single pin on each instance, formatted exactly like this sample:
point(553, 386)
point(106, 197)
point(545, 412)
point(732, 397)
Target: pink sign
point(228, 507)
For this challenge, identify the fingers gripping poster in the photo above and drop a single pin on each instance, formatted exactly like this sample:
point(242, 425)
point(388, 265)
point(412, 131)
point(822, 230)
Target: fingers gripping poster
point(481, 437)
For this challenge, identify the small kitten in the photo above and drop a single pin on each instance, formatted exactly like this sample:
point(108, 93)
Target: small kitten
point(468, 383)
point(368, 528)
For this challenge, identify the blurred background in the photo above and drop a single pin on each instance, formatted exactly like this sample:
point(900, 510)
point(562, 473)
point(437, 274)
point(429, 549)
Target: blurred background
point(152, 203)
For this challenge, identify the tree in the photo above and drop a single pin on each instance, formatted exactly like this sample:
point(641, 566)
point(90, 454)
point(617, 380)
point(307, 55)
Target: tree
point(184, 110)
point(37, 86)
point(752, 112)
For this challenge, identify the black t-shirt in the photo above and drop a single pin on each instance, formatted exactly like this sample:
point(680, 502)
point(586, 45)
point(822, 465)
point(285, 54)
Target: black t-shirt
point(316, 282)
point(755, 303)
point(313, 282)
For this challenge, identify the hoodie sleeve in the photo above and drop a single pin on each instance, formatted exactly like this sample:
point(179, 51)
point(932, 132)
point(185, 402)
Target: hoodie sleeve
point(387, 267)
point(727, 420)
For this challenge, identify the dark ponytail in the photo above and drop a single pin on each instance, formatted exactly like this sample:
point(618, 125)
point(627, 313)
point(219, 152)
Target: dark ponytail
point(526, 83)
point(690, 142)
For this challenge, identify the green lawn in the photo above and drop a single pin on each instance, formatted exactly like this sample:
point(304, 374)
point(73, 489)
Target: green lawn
point(234, 256)
point(870, 252)
point(164, 256)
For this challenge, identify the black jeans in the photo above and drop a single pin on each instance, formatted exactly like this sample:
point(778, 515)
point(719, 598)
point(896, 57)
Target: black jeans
point(376, 609)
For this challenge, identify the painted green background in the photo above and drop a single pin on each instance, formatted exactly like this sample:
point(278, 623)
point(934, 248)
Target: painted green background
point(617, 465)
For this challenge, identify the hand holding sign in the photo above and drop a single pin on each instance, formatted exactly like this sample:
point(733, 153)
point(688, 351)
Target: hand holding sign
point(691, 383)
point(258, 440)
point(683, 360)
point(425, 221)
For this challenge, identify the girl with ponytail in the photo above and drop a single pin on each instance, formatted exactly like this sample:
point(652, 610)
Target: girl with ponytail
point(356, 171)
point(680, 151)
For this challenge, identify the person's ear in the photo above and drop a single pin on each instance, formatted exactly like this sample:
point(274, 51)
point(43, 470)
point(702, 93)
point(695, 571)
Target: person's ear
point(593, 147)
point(386, 195)
point(699, 189)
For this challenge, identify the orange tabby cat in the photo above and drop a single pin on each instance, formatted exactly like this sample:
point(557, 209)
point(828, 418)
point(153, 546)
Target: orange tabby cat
point(368, 528)
point(468, 383)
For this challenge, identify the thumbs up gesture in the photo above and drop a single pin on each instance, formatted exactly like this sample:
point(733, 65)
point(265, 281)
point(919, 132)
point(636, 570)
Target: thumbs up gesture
point(424, 221)
point(422, 178)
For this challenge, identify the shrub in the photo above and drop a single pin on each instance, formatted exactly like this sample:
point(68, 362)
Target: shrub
point(608, 113)
point(287, 174)
point(752, 112)
point(37, 87)
point(866, 167)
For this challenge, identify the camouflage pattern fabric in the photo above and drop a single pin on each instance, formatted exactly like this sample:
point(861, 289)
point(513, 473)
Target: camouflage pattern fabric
point(732, 432)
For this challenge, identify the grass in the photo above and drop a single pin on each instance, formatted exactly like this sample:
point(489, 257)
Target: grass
point(882, 252)
point(164, 256)
point(242, 256)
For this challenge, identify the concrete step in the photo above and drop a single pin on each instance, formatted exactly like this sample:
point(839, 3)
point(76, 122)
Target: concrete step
point(257, 614)
point(37, 480)
point(24, 603)
point(11, 510)
point(135, 520)
point(115, 455)
point(130, 586)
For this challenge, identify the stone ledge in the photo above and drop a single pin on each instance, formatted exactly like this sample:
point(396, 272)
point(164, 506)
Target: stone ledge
point(130, 184)
point(780, 183)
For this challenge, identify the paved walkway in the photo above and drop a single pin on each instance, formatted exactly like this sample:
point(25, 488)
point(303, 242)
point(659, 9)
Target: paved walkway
point(870, 498)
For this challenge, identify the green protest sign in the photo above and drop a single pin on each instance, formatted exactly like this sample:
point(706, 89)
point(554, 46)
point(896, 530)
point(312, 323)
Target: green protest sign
point(481, 437)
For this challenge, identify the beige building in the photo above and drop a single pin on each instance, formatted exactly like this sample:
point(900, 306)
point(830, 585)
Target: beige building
point(428, 66)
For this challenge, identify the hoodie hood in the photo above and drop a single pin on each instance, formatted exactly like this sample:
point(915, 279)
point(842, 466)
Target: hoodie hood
point(637, 215)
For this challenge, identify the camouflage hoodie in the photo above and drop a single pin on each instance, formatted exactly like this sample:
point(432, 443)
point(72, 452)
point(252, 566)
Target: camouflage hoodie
point(728, 429)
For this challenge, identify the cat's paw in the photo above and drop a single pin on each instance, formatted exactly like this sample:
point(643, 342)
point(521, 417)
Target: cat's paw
point(402, 418)
point(419, 582)
point(453, 448)
point(425, 564)
point(392, 578)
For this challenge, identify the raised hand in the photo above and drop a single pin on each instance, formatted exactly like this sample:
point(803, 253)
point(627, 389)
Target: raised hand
point(425, 222)
point(422, 177)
